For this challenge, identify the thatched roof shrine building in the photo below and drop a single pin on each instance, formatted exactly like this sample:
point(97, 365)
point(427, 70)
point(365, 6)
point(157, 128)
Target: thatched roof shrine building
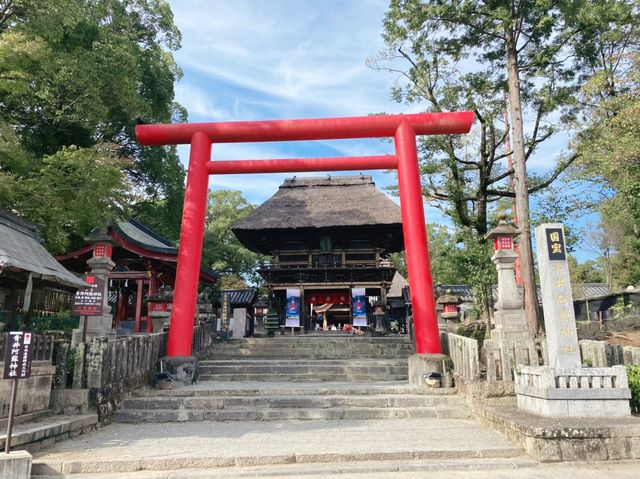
point(327, 236)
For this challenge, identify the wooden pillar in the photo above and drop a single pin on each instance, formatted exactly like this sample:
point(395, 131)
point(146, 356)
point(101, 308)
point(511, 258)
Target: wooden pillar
point(139, 293)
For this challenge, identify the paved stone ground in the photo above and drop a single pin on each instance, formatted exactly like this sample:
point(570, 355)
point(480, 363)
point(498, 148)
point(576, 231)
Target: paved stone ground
point(461, 469)
point(174, 446)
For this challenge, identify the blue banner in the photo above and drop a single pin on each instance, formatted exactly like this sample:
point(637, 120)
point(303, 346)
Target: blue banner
point(292, 319)
point(359, 306)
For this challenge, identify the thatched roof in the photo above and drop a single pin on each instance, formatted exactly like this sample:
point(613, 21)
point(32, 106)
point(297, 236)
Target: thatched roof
point(319, 203)
point(22, 252)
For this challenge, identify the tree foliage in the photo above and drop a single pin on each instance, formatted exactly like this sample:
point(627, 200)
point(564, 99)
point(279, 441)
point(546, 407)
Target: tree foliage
point(608, 142)
point(74, 77)
point(459, 256)
point(221, 249)
point(485, 55)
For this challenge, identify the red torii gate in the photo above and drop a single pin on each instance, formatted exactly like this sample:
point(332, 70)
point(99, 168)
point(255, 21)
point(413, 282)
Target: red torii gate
point(403, 128)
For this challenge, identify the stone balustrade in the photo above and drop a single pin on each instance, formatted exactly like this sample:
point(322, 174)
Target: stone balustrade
point(464, 354)
point(572, 378)
point(573, 392)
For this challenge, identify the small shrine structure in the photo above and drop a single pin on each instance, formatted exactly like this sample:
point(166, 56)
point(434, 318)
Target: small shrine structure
point(138, 264)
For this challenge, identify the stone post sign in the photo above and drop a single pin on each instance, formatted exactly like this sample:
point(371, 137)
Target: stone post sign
point(557, 300)
point(565, 388)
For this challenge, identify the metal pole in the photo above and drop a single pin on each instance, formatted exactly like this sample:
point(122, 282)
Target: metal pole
point(415, 239)
point(191, 234)
point(12, 409)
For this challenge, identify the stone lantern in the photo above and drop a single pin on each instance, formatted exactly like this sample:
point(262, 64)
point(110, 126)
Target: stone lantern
point(509, 320)
point(449, 304)
point(100, 265)
point(504, 257)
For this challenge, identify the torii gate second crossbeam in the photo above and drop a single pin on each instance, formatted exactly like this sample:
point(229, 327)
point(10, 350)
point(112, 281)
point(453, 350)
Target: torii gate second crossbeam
point(403, 128)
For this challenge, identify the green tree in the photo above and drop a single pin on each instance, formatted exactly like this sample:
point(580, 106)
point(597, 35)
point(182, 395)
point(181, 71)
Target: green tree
point(467, 53)
point(77, 74)
point(221, 249)
point(459, 256)
point(608, 142)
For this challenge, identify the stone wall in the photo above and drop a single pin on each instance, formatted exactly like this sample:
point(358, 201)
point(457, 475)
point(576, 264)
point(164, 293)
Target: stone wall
point(472, 363)
point(105, 371)
point(600, 354)
point(33, 393)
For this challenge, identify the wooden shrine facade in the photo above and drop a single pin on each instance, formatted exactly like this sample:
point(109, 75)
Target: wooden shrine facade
point(144, 262)
point(325, 237)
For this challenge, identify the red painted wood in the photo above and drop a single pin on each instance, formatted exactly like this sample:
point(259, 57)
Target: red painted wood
point(416, 250)
point(191, 234)
point(226, 167)
point(372, 126)
point(403, 128)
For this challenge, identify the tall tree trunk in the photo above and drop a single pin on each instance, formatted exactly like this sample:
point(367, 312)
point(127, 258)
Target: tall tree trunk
point(530, 297)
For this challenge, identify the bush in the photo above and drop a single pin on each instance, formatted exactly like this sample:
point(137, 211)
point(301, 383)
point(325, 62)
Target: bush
point(633, 373)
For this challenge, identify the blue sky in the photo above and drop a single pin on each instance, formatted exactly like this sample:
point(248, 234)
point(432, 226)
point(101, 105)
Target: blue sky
point(275, 59)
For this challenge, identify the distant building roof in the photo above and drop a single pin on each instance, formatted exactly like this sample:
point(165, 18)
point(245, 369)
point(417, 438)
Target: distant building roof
point(322, 203)
point(241, 297)
point(398, 282)
point(581, 291)
point(21, 250)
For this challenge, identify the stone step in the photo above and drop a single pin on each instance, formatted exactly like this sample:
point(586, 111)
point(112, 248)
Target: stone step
point(285, 389)
point(372, 353)
point(364, 469)
point(305, 377)
point(320, 339)
point(305, 362)
point(275, 402)
point(295, 414)
point(218, 448)
point(44, 432)
point(311, 369)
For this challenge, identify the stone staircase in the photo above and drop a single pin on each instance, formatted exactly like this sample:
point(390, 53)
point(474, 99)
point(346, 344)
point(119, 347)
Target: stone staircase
point(298, 378)
point(291, 407)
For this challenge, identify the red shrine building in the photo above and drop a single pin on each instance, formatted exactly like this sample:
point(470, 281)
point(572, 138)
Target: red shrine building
point(328, 239)
point(144, 261)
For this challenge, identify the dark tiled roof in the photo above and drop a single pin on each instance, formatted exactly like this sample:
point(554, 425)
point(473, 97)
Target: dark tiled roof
point(138, 234)
point(241, 297)
point(20, 249)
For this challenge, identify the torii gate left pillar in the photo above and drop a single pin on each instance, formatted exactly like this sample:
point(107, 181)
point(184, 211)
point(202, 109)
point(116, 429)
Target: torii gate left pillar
point(402, 128)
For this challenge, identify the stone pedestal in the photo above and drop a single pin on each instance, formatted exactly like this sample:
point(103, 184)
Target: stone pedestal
point(238, 323)
point(160, 320)
point(183, 370)
point(573, 392)
point(15, 465)
point(379, 317)
point(564, 388)
point(420, 365)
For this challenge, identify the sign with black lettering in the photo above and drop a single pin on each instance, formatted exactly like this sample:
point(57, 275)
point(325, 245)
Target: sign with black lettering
point(89, 301)
point(555, 244)
point(18, 354)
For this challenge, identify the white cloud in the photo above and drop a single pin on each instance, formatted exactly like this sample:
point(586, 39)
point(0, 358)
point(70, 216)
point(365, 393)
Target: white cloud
point(307, 55)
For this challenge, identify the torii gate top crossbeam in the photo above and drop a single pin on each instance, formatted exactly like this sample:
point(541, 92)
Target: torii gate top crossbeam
point(374, 126)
